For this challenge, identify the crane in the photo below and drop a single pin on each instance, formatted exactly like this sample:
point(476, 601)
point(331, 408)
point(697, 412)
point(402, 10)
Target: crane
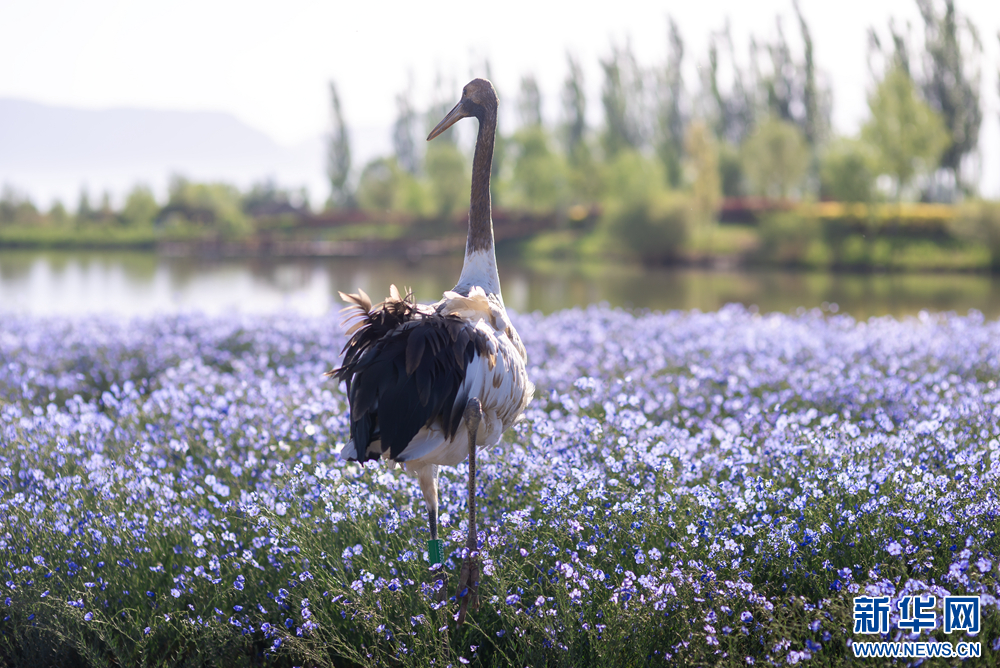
point(427, 384)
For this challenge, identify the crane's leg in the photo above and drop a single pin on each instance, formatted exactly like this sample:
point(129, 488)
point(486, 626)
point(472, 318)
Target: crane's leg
point(468, 580)
point(428, 485)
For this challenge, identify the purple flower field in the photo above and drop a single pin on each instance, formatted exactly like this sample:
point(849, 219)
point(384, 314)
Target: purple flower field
point(688, 488)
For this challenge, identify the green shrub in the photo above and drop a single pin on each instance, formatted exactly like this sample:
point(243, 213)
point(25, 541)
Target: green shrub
point(646, 218)
point(653, 228)
point(789, 238)
point(210, 206)
point(979, 222)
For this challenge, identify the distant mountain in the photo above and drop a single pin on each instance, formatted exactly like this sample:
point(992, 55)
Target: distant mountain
point(54, 151)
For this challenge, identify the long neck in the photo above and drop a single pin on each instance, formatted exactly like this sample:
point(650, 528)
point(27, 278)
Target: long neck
point(480, 266)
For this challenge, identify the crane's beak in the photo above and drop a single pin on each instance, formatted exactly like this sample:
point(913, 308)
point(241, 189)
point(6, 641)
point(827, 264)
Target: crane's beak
point(453, 117)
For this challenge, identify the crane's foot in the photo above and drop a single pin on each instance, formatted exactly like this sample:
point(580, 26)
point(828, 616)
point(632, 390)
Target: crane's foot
point(468, 587)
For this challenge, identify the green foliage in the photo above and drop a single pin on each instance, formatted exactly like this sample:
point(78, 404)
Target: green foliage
point(403, 141)
point(979, 222)
point(212, 206)
point(538, 182)
point(952, 83)
point(448, 176)
point(140, 208)
point(703, 164)
point(815, 121)
point(734, 111)
point(731, 178)
point(378, 185)
point(385, 187)
point(907, 135)
point(846, 171)
point(574, 101)
point(84, 211)
point(529, 104)
point(17, 208)
point(789, 238)
point(647, 219)
point(58, 216)
point(621, 97)
point(338, 159)
point(775, 159)
point(670, 130)
point(585, 176)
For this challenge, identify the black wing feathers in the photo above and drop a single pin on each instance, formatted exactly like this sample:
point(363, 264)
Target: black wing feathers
point(403, 368)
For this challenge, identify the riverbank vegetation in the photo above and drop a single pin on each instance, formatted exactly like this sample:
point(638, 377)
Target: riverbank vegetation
point(740, 167)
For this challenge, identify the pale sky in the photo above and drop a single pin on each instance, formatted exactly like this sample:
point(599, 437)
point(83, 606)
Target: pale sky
point(269, 63)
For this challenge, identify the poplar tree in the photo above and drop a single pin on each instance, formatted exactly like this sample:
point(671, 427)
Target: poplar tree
point(624, 105)
point(529, 103)
point(670, 144)
point(403, 141)
point(338, 157)
point(951, 80)
point(574, 102)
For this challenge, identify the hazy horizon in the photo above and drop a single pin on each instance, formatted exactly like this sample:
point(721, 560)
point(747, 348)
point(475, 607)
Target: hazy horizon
point(268, 67)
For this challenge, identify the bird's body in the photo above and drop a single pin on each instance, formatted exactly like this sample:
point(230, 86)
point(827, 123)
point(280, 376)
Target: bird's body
point(429, 383)
point(412, 368)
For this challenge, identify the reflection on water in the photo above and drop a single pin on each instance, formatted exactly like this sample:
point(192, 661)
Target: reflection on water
point(140, 283)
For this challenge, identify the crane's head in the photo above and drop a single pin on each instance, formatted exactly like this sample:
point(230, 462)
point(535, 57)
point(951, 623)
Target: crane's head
point(478, 98)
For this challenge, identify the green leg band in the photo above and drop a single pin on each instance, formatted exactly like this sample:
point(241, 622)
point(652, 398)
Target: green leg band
point(434, 551)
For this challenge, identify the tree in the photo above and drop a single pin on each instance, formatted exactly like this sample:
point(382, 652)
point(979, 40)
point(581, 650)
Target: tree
point(703, 160)
point(140, 207)
point(732, 112)
point(908, 137)
point(794, 90)
point(84, 211)
point(670, 135)
point(952, 80)
point(731, 170)
point(814, 124)
point(267, 199)
point(214, 206)
point(574, 101)
point(529, 104)
point(58, 216)
point(16, 208)
point(780, 84)
point(446, 171)
point(775, 158)
point(846, 171)
point(338, 158)
point(402, 134)
point(378, 185)
point(641, 213)
point(622, 98)
point(539, 178)
point(438, 110)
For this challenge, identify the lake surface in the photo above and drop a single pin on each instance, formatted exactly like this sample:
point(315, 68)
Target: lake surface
point(144, 284)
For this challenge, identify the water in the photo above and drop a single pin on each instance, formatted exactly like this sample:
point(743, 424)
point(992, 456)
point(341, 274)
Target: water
point(144, 284)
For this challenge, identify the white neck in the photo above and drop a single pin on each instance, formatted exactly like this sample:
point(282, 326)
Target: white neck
point(480, 269)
